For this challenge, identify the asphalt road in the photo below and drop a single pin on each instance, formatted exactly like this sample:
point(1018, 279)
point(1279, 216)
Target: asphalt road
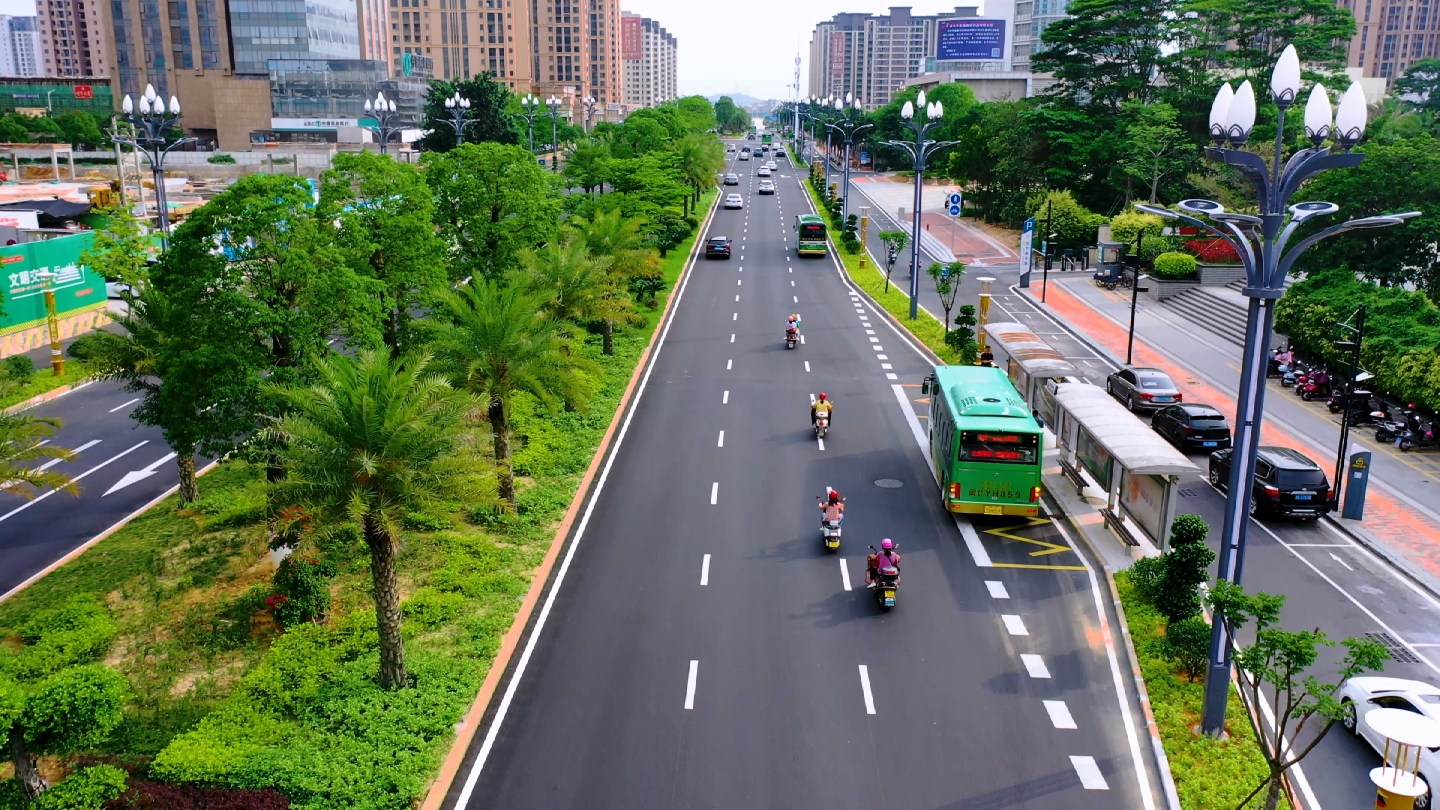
point(112, 450)
point(698, 647)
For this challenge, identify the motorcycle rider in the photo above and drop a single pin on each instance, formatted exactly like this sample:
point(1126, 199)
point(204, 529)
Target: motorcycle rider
point(833, 507)
point(887, 556)
point(822, 404)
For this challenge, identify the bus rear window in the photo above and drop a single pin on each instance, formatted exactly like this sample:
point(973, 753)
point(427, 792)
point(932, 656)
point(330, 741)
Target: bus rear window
point(812, 231)
point(999, 448)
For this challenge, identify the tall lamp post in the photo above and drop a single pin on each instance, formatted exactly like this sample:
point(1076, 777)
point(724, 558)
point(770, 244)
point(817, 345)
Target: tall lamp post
point(554, 104)
point(589, 104)
point(387, 120)
point(458, 109)
point(531, 105)
point(1262, 243)
point(920, 151)
point(52, 320)
point(152, 122)
point(848, 125)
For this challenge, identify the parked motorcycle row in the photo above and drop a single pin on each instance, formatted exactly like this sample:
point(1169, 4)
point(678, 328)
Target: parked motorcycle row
point(1402, 426)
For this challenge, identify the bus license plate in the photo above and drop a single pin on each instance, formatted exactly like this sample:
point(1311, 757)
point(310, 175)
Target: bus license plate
point(994, 510)
point(1209, 444)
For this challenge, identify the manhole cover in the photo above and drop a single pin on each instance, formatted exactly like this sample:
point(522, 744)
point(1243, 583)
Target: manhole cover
point(1187, 493)
point(1398, 652)
point(889, 483)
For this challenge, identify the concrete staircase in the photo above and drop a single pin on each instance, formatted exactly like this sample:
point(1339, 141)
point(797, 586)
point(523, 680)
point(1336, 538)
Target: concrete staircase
point(1221, 312)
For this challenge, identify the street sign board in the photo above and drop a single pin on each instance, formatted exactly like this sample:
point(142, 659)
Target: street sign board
point(954, 210)
point(955, 198)
point(1027, 239)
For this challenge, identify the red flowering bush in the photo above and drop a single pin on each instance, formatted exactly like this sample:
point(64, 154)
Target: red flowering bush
point(1212, 251)
point(160, 796)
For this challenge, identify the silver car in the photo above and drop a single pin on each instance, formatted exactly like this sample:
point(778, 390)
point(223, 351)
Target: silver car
point(1147, 389)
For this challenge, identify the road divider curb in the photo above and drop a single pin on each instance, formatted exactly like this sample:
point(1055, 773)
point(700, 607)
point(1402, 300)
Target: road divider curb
point(466, 729)
point(41, 399)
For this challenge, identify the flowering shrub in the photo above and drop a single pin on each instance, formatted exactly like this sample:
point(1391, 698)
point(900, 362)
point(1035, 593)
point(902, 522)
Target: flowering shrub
point(302, 593)
point(1212, 251)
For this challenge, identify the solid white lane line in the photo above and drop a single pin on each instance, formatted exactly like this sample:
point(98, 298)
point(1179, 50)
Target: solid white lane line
point(807, 366)
point(1089, 773)
point(714, 493)
point(126, 405)
point(722, 439)
point(844, 574)
point(729, 363)
point(705, 570)
point(725, 400)
point(690, 687)
point(1034, 664)
point(82, 448)
point(1060, 714)
point(996, 589)
point(22, 507)
point(865, 687)
point(1014, 625)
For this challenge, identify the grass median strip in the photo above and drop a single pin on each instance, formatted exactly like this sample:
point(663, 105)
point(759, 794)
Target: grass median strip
point(43, 381)
point(222, 696)
point(1209, 774)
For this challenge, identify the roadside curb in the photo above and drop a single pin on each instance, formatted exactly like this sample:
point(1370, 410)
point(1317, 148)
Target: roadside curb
point(125, 521)
point(466, 729)
point(41, 399)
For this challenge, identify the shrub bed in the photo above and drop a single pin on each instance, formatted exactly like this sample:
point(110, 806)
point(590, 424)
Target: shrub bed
point(1175, 266)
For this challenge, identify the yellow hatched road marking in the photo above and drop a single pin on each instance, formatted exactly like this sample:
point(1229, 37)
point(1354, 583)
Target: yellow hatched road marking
point(1046, 548)
point(1036, 566)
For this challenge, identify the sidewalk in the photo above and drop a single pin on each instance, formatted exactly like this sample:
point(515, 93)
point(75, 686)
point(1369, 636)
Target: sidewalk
point(1207, 370)
point(943, 234)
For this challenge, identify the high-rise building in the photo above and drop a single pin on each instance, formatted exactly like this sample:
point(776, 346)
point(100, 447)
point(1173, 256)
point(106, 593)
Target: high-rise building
point(20, 43)
point(292, 29)
point(649, 54)
point(838, 62)
point(869, 57)
point(73, 38)
point(1391, 35)
point(1031, 19)
point(374, 38)
point(466, 37)
point(606, 74)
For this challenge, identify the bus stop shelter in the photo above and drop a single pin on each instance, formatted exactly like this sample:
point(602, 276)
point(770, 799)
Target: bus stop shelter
point(1033, 365)
point(1104, 446)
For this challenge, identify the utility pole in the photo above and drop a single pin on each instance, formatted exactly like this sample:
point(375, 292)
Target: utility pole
point(1354, 347)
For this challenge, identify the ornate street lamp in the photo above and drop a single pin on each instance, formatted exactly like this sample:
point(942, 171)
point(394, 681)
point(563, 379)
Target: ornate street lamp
point(387, 120)
point(1262, 243)
point(531, 106)
point(554, 104)
point(848, 125)
point(920, 151)
point(589, 103)
point(150, 125)
point(458, 109)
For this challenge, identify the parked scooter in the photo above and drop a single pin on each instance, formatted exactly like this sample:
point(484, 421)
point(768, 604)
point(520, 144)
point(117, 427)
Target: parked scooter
point(1419, 440)
point(1317, 385)
point(1387, 430)
point(1358, 404)
point(1293, 373)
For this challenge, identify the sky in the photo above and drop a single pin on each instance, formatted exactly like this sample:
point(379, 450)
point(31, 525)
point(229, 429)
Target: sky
point(730, 46)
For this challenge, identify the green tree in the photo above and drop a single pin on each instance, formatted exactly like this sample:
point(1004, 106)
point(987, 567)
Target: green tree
point(489, 120)
point(998, 158)
point(497, 340)
point(1155, 146)
point(1185, 566)
point(630, 256)
point(947, 285)
point(374, 437)
point(13, 129)
point(24, 439)
point(895, 242)
point(1256, 31)
point(493, 201)
point(1072, 224)
point(387, 234)
point(1278, 662)
point(699, 156)
point(730, 118)
point(1107, 52)
point(81, 129)
point(588, 165)
point(45, 128)
point(1419, 87)
point(121, 250)
point(695, 114)
point(580, 285)
point(55, 699)
point(962, 337)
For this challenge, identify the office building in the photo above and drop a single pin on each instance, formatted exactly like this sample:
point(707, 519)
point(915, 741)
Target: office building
point(74, 41)
point(261, 30)
point(649, 54)
point(1392, 35)
point(1031, 19)
point(838, 61)
point(374, 36)
point(314, 100)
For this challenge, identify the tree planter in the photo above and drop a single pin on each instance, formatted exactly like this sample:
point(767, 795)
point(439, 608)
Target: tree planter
point(1218, 275)
point(1160, 289)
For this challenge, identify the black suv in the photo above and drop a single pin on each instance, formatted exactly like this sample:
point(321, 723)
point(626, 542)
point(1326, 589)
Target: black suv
point(718, 246)
point(1286, 483)
point(1192, 426)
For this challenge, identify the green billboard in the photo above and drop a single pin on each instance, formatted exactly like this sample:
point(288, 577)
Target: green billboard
point(77, 288)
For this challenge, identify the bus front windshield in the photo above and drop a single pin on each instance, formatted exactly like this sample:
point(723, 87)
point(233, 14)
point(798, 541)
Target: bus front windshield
point(1001, 448)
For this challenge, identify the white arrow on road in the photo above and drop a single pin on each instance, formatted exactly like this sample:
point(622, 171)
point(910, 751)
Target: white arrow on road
point(1342, 562)
point(138, 475)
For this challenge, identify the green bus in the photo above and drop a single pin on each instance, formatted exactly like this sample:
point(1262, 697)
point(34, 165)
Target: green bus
point(768, 137)
point(986, 447)
point(810, 235)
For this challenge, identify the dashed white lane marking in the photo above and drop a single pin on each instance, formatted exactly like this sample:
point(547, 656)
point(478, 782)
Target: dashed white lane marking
point(735, 317)
point(812, 399)
point(1014, 625)
point(705, 570)
point(869, 331)
point(721, 443)
point(878, 348)
point(865, 687)
point(892, 376)
point(725, 400)
point(1035, 666)
point(792, 282)
point(1059, 714)
point(807, 366)
point(729, 364)
point(844, 574)
point(739, 281)
point(996, 589)
point(822, 443)
point(732, 337)
point(802, 340)
point(881, 357)
point(874, 340)
point(1089, 773)
point(886, 366)
point(795, 298)
point(737, 299)
point(690, 687)
point(137, 399)
point(714, 493)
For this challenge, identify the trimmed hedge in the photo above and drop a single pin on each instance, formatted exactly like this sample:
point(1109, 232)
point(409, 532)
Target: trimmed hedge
point(1124, 228)
point(1175, 266)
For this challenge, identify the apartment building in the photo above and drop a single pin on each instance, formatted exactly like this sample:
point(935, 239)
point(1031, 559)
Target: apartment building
point(838, 56)
point(607, 75)
point(870, 57)
point(1392, 35)
point(649, 53)
point(74, 40)
point(20, 53)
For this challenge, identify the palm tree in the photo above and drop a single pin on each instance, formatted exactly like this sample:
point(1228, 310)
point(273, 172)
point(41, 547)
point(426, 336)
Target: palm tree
point(373, 438)
point(575, 281)
point(699, 156)
point(618, 239)
point(499, 340)
point(24, 439)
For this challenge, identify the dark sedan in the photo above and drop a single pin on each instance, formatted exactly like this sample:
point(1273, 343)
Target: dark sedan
point(1192, 427)
point(717, 247)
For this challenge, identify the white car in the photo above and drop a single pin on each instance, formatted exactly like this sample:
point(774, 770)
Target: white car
point(733, 201)
point(1364, 694)
point(770, 164)
point(744, 155)
point(763, 172)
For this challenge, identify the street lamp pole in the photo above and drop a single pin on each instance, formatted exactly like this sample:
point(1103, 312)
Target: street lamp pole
point(387, 120)
point(920, 151)
point(848, 126)
point(531, 106)
point(1354, 347)
point(150, 126)
point(554, 104)
point(589, 103)
point(1262, 244)
point(52, 320)
point(458, 109)
point(1045, 262)
point(1134, 298)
